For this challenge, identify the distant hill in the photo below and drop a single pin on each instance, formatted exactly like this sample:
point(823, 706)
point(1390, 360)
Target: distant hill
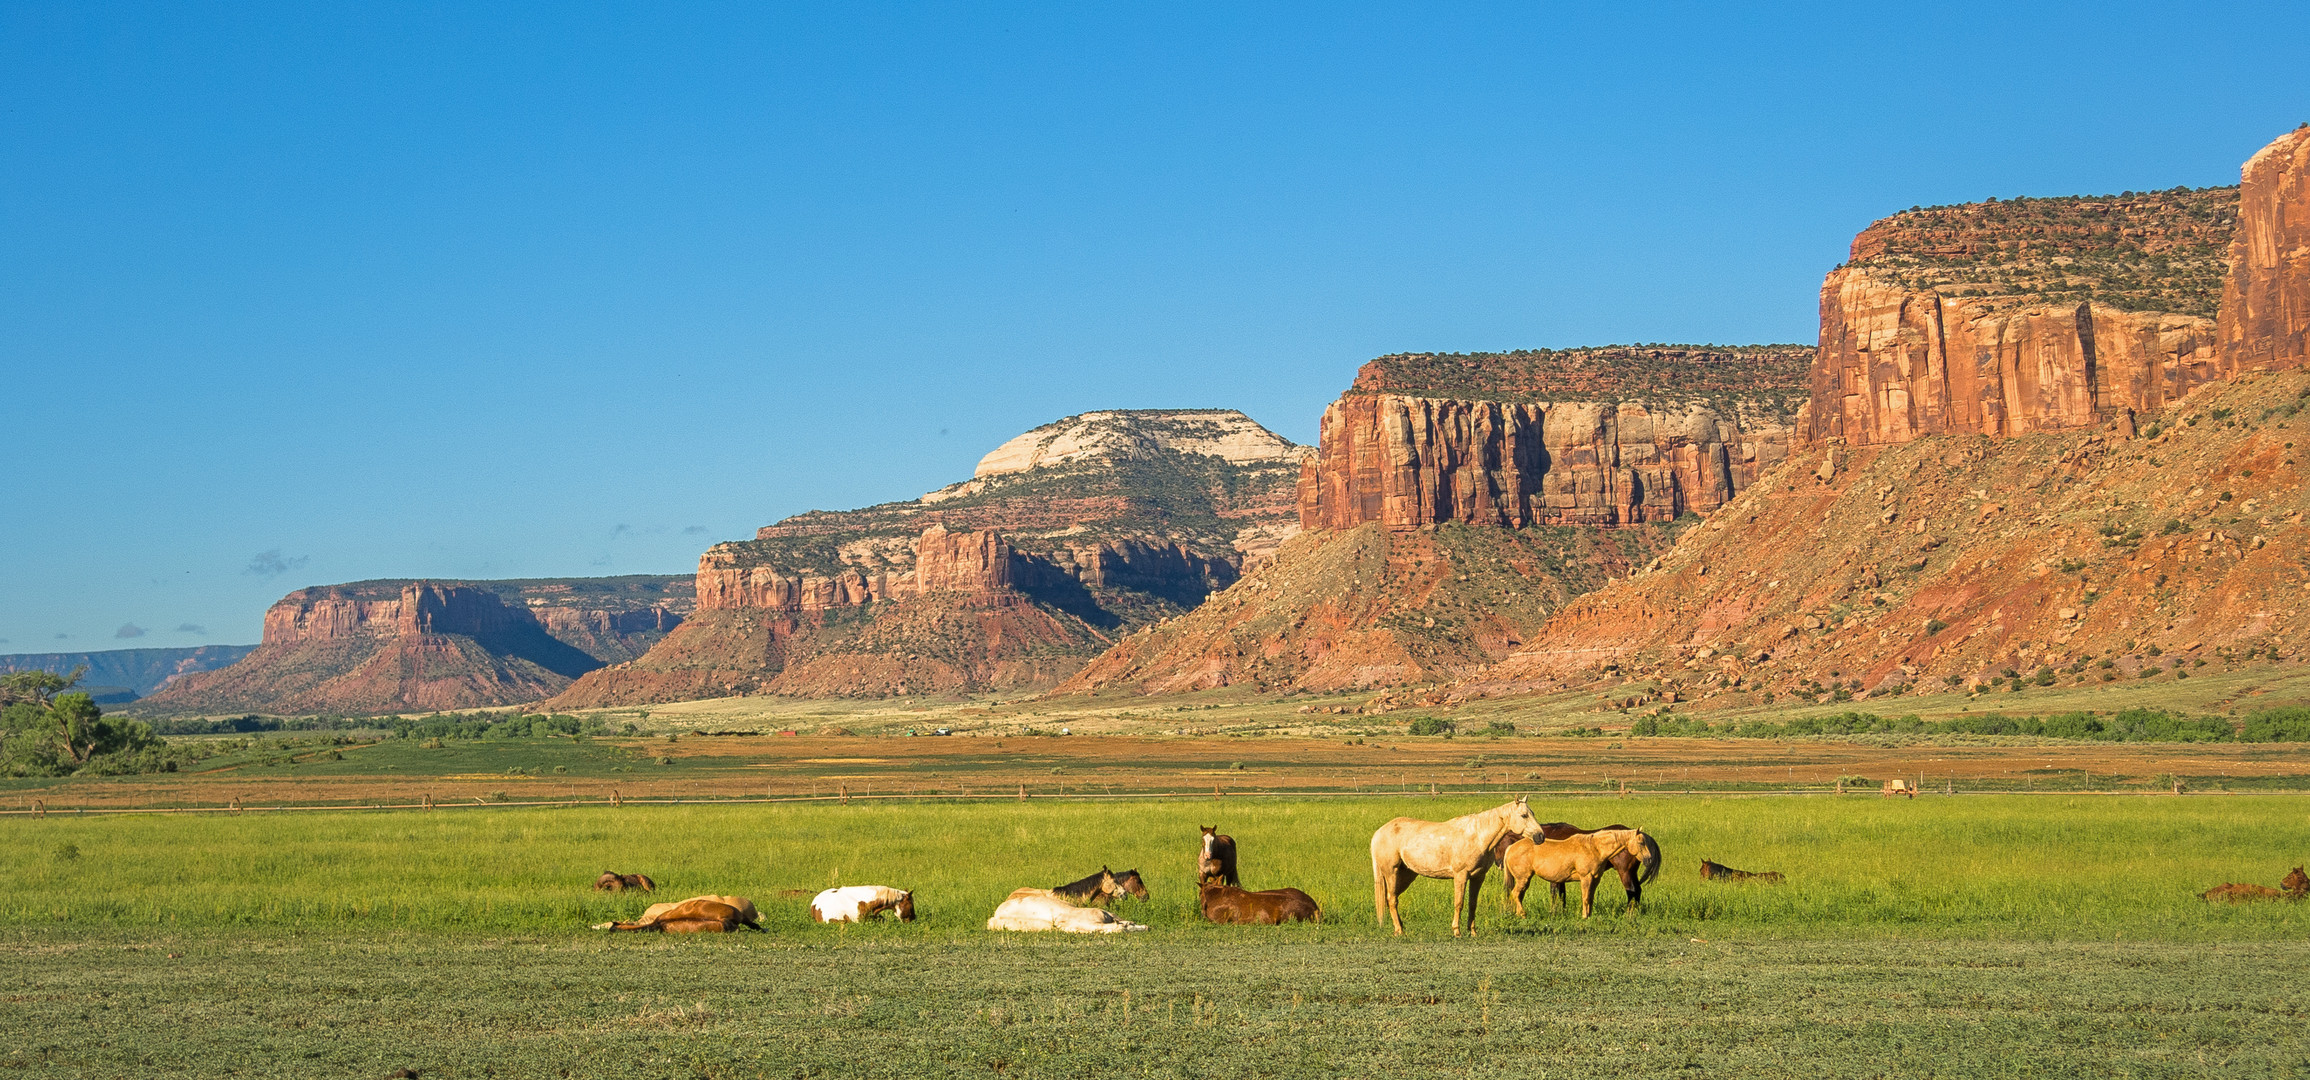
point(122, 675)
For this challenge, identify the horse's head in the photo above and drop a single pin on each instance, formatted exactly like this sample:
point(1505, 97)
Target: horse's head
point(1210, 839)
point(2296, 882)
point(1520, 819)
point(905, 906)
point(1108, 886)
point(1638, 844)
point(1130, 882)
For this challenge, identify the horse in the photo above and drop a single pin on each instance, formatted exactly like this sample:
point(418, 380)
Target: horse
point(1268, 907)
point(1635, 873)
point(612, 881)
point(2296, 886)
point(1103, 887)
point(1407, 849)
point(858, 903)
point(1218, 860)
point(696, 915)
point(1582, 855)
point(1710, 871)
point(1045, 909)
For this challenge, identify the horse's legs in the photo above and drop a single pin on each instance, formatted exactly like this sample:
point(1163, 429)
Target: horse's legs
point(1380, 883)
point(1556, 894)
point(1475, 888)
point(1628, 884)
point(1460, 900)
point(1588, 893)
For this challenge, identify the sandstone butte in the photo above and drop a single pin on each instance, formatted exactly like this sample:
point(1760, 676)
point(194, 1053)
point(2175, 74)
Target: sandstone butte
point(2142, 522)
point(390, 646)
point(1064, 539)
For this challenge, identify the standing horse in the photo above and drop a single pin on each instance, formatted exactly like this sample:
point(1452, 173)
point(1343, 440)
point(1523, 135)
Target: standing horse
point(1580, 856)
point(1635, 873)
point(1218, 860)
point(1407, 849)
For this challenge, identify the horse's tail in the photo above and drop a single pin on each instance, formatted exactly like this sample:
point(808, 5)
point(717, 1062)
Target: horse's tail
point(1651, 865)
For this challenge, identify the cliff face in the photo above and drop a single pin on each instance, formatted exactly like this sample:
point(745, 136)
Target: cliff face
point(1065, 537)
point(2265, 319)
point(2021, 317)
point(386, 646)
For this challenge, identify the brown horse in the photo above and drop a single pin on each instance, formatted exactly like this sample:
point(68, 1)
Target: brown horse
point(612, 881)
point(697, 915)
point(1581, 856)
point(2296, 886)
point(1268, 907)
point(1407, 849)
point(1217, 862)
point(1710, 871)
point(1103, 887)
point(1635, 873)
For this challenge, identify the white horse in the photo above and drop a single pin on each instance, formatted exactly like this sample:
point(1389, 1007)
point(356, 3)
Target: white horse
point(858, 903)
point(1406, 849)
point(1042, 909)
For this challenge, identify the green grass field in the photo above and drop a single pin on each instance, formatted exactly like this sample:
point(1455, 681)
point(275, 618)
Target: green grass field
point(1991, 935)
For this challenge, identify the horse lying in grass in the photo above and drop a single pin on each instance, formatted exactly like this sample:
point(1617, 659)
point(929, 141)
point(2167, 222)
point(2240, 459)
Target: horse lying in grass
point(612, 881)
point(1269, 907)
point(1407, 849)
point(858, 903)
point(1581, 856)
point(1710, 871)
point(1218, 860)
point(1043, 909)
point(696, 915)
point(1104, 887)
point(2295, 887)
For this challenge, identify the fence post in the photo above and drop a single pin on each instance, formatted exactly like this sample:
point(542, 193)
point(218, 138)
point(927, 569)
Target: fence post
point(616, 800)
point(236, 804)
point(1022, 791)
point(844, 791)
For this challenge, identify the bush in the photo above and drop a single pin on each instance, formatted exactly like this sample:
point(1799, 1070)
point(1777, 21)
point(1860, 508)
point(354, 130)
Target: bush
point(1429, 725)
point(2287, 723)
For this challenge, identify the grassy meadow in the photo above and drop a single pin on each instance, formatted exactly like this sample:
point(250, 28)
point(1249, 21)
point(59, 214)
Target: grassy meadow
point(1972, 936)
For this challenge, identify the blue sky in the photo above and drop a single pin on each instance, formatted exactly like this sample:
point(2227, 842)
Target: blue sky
point(302, 293)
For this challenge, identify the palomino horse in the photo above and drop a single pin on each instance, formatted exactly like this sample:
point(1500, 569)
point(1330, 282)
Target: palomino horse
point(1103, 887)
point(2295, 887)
point(858, 903)
point(1268, 907)
point(1218, 860)
point(1461, 849)
point(1043, 909)
point(1634, 872)
point(1581, 857)
point(696, 915)
point(612, 881)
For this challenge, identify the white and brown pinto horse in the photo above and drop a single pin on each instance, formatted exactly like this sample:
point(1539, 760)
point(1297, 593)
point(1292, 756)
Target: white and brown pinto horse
point(858, 903)
point(1042, 909)
point(1461, 849)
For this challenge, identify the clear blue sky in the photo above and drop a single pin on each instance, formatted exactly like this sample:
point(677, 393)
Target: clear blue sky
point(305, 293)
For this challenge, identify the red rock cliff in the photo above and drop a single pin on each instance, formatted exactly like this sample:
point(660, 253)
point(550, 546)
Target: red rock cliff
point(2266, 301)
point(1403, 460)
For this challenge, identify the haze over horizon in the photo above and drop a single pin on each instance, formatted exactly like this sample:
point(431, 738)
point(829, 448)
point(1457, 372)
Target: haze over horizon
point(304, 297)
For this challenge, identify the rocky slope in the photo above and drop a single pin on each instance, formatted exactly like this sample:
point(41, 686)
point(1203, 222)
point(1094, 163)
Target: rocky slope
point(1063, 539)
point(2005, 318)
point(390, 646)
point(1607, 436)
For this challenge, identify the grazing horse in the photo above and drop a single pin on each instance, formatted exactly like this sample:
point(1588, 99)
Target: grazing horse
point(1407, 849)
point(1045, 909)
point(2296, 886)
point(858, 903)
point(1581, 856)
point(1103, 887)
point(696, 915)
point(1719, 872)
point(1268, 907)
point(612, 881)
point(1217, 862)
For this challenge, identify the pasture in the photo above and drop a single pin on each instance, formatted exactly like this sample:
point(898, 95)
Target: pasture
point(1980, 935)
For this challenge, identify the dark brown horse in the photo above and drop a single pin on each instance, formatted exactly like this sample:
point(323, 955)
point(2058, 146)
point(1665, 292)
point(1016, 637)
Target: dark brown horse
point(1710, 871)
point(612, 881)
point(1634, 872)
point(1103, 887)
point(1217, 863)
point(1268, 907)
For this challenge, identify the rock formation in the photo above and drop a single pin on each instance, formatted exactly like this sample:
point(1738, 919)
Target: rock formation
point(1606, 436)
point(1065, 538)
point(2265, 319)
point(2009, 318)
point(386, 646)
